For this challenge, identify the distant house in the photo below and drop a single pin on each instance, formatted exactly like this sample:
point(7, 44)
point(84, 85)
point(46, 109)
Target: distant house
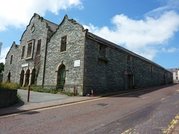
point(175, 72)
point(68, 57)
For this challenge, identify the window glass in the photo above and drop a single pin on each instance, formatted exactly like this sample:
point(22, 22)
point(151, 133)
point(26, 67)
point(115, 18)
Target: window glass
point(63, 43)
point(11, 59)
point(23, 51)
point(102, 51)
point(29, 50)
point(38, 47)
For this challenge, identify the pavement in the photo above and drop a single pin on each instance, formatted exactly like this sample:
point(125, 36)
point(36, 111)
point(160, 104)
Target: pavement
point(176, 129)
point(40, 100)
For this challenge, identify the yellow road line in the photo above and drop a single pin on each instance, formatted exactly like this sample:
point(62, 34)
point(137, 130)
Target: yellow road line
point(171, 125)
point(128, 131)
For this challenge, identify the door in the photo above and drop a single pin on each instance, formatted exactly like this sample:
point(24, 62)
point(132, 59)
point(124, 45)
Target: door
point(130, 81)
point(61, 77)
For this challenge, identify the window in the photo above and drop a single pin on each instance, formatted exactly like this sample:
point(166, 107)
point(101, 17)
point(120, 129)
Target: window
point(23, 51)
point(151, 69)
point(102, 59)
point(30, 49)
point(129, 58)
point(38, 47)
point(102, 51)
point(32, 28)
point(130, 63)
point(63, 43)
point(11, 59)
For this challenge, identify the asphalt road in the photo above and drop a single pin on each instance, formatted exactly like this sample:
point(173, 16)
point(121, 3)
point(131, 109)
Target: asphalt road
point(140, 112)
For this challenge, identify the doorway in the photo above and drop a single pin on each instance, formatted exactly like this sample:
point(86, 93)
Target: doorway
point(9, 77)
point(130, 81)
point(61, 74)
point(21, 77)
point(33, 78)
point(27, 77)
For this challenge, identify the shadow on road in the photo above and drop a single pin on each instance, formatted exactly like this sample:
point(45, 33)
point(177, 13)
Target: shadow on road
point(137, 92)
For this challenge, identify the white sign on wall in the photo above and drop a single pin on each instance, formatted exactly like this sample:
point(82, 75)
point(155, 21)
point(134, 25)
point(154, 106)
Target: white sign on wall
point(24, 65)
point(76, 63)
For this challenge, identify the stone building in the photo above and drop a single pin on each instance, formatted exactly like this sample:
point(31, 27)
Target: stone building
point(69, 57)
point(175, 72)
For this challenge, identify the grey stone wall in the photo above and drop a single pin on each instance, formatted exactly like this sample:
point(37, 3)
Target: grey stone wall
point(40, 31)
point(146, 74)
point(74, 51)
point(12, 68)
point(8, 97)
point(111, 73)
point(102, 75)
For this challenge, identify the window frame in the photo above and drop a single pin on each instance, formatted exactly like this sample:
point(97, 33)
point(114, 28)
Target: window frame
point(102, 50)
point(11, 59)
point(38, 49)
point(29, 55)
point(63, 44)
point(23, 52)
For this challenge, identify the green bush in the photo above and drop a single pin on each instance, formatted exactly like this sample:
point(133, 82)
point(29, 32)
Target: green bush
point(68, 93)
point(8, 85)
point(41, 89)
point(48, 90)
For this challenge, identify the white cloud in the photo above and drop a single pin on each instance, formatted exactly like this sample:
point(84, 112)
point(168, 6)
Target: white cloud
point(169, 50)
point(167, 5)
point(141, 36)
point(18, 12)
point(3, 54)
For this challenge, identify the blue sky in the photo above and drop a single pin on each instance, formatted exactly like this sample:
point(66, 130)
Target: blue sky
point(147, 27)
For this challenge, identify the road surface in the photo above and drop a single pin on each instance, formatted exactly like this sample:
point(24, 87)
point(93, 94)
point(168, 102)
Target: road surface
point(142, 112)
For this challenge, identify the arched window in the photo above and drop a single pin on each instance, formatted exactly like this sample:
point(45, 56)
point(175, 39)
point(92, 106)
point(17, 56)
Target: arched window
point(33, 78)
point(38, 47)
point(61, 74)
point(63, 43)
point(11, 59)
point(9, 77)
point(27, 77)
point(21, 77)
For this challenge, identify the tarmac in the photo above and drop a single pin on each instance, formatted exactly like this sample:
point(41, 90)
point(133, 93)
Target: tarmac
point(39, 100)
